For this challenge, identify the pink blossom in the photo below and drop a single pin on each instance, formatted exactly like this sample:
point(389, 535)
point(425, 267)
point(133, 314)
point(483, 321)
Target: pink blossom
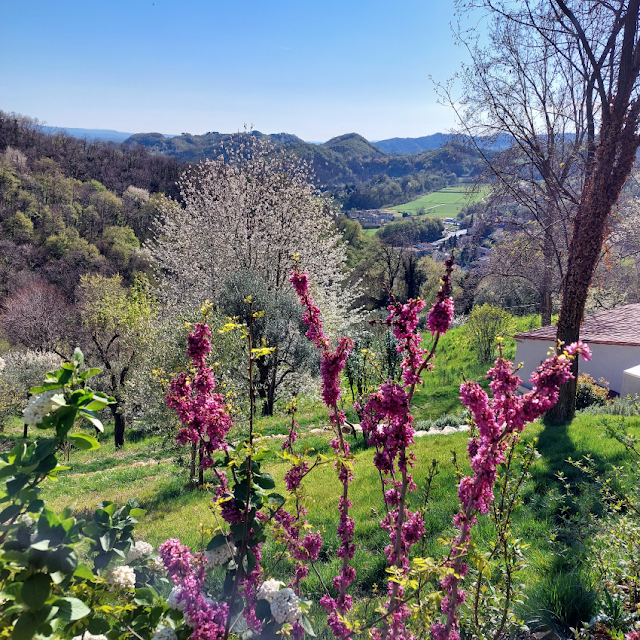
point(497, 418)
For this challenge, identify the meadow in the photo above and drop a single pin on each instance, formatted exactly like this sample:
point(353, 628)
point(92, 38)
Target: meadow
point(445, 203)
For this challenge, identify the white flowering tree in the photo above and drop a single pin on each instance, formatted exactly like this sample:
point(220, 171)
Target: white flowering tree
point(252, 210)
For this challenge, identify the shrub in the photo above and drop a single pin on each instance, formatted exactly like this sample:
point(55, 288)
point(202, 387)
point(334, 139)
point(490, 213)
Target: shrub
point(589, 393)
point(484, 325)
point(22, 370)
point(562, 601)
point(617, 407)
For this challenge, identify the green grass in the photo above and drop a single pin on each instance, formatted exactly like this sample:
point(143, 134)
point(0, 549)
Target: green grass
point(446, 203)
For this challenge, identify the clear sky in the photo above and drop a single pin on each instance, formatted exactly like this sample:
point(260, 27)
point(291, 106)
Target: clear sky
point(317, 69)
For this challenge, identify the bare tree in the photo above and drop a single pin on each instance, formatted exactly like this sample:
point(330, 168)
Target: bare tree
point(522, 109)
point(591, 52)
point(38, 317)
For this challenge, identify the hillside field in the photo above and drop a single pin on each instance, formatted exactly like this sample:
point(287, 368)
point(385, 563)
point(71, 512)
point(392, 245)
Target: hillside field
point(446, 203)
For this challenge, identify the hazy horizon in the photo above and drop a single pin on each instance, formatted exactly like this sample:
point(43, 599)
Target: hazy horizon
point(315, 71)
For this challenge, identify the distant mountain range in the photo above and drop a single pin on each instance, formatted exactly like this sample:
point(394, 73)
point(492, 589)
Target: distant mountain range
point(106, 135)
point(401, 146)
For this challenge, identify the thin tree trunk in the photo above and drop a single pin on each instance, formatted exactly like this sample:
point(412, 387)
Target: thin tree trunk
point(117, 411)
point(192, 468)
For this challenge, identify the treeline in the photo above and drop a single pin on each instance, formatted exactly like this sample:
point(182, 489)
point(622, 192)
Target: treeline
point(383, 191)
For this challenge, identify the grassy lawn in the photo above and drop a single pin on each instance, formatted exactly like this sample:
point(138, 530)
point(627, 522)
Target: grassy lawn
point(446, 203)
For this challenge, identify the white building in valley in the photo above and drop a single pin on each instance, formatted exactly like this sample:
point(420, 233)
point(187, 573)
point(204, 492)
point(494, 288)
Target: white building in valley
point(614, 339)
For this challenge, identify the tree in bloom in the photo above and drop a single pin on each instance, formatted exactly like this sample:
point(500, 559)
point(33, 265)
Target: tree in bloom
point(499, 419)
point(331, 365)
point(192, 395)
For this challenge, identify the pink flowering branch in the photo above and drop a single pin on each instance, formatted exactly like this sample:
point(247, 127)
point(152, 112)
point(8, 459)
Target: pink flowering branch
point(187, 571)
point(499, 420)
point(388, 425)
point(331, 365)
point(202, 411)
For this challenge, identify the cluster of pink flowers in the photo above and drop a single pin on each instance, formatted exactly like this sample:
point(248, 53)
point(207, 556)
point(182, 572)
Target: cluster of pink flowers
point(207, 618)
point(499, 420)
point(303, 548)
point(441, 313)
point(388, 425)
point(332, 364)
point(200, 409)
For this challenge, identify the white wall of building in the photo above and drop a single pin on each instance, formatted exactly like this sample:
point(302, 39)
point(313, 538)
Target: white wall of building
point(631, 382)
point(609, 361)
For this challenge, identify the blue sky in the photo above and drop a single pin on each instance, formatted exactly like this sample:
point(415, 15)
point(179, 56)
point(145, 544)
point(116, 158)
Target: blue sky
point(316, 69)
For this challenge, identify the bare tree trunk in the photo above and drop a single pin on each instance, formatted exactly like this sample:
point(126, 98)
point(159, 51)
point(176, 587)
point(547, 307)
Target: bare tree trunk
point(117, 411)
point(614, 160)
point(200, 469)
point(547, 283)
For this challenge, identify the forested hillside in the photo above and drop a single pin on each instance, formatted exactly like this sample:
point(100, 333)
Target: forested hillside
point(69, 207)
point(356, 172)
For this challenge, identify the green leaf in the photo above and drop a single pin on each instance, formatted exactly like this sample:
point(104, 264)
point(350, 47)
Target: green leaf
point(28, 623)
point(83, 441)
point(11, 511)
point(305, 623)
point(92, 417)
point(47, 386)
point(36, 590)
point(265, 481)
point(276, 499)
point(98, 626)
point(137, 513)
point(89, 373)
point(144, 596)
point(84, 572)
point(216, 542)
point(71, 609)
point(263, 610)
point(78, 356)
point(8, 470)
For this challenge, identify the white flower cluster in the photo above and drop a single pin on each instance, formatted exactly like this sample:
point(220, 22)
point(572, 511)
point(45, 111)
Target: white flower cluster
point(90, 636)
point(165, 633)
point(138, 550)
point(172, 600)
point(156, 564)
point(122, 577)
point(40, 405)
point(268, 590)
point(285, 606)
point(221, 555)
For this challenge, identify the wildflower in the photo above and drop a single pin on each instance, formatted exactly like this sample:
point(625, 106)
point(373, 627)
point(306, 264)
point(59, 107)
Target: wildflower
point(121, 578)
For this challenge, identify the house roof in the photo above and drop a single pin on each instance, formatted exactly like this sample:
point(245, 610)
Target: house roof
point(616, 326)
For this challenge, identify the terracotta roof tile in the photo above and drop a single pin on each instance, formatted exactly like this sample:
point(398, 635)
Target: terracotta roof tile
point(616, 326)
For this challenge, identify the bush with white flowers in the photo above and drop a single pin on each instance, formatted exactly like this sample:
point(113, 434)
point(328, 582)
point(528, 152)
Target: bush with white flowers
point(268, 590)
point(40, 405)
point(138, 550)
point(173, 601)
point(122, 577)
point(285, 606)
point(165, 633)
point(222, 554)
